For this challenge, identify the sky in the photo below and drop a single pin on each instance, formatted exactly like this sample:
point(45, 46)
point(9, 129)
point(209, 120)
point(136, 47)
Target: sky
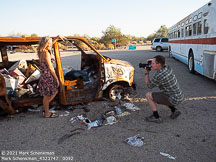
point(138, 18)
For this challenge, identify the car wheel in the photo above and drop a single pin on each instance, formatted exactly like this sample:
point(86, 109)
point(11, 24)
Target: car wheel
point(191, 63)
point(116, 92)
point(158, 49)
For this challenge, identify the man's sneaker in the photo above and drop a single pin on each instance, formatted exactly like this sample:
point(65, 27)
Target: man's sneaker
point(175, 114)
point(152, 118)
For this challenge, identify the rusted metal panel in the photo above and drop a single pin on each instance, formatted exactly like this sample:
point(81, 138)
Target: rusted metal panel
point(5, 103)
point(4, 56)
point(59, 72)
point(27, 102)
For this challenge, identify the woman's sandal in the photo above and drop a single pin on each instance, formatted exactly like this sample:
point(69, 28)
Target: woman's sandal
point(52, 115)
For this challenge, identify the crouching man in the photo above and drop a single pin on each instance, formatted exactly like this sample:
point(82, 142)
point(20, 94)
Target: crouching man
point(170, 94)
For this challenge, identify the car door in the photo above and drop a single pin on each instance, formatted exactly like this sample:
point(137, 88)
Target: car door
point(164, 43)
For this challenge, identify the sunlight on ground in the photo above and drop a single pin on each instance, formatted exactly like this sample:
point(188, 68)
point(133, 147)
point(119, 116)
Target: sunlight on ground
point(186, 99)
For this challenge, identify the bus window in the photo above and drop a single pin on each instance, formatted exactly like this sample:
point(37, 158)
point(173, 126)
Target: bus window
point(190, 30)
point(182, 32)
point(195, 29)
point(199, 31)
point(206, 27)
point(178, 33)
point(187, 31)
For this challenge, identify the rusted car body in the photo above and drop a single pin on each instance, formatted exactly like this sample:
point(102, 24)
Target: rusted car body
point(112, 76)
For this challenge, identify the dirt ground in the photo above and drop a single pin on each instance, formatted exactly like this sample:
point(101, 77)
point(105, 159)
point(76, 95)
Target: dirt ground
point(190, 137)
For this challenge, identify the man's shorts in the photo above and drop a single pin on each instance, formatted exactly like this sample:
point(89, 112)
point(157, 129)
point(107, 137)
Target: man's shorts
point(161, 98)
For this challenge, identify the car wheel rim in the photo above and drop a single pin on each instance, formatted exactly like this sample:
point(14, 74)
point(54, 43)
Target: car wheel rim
point(116, 93)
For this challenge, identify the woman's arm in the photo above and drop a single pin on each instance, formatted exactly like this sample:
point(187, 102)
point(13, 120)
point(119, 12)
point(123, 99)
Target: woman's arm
point(50, 66)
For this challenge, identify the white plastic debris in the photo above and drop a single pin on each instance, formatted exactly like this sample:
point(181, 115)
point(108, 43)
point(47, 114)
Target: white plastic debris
point(167, 155)
point(136, 140)
point(35, 76)
point(110, 120)
point(74, 119)
point(131, 106)
point(34, 110)
point(66, 113)
point(96, 123)
point(80, 118)
point(119, 96)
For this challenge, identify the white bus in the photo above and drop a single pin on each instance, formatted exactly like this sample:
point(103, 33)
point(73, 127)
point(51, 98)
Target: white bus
point(193, 40)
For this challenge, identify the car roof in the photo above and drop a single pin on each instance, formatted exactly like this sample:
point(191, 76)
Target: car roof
point(28, 40)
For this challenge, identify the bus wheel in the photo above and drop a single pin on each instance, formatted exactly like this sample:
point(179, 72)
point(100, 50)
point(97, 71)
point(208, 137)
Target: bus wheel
point(158, 49)
point(170, 52)
point(191, 63)
point(116, 92)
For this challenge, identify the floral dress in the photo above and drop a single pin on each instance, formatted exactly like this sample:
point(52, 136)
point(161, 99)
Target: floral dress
point(47, 83)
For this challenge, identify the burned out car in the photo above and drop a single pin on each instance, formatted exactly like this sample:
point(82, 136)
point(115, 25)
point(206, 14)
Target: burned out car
point(89, 78)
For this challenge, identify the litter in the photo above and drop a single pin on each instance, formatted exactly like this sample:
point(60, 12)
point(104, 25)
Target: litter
point(96, 123)
point(34, 110)
point(123, 114)
point(35, 76)
point(67, 113)
point(118, 110)
point(11, 83)
point(21, 65)
point(74, 119)
point(110, 113)
point(167, 155)
point(4, 71)
point(110, 120)
point(136, 140)
point(80, 118)
point(131, 106)
point(16, 73)
point(17, 76)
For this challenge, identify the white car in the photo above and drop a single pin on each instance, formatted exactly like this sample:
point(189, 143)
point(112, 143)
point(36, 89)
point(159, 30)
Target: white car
point(159, 44)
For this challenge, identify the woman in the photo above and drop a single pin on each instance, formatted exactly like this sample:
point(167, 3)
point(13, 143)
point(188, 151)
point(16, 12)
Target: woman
point(49, 83)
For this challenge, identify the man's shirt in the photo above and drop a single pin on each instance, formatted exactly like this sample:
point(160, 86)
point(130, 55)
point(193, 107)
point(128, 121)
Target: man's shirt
point(166, 81)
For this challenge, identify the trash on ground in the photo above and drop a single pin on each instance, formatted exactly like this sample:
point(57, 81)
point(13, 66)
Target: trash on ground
point(131, 106)
point(123, 114)
point(34, 110)
point(110, 113)
point(118, 110)
point(167, 155)
point(110, 120)
point(136, 140)
point(67, 113)
point(80, 118)
point(96, 123)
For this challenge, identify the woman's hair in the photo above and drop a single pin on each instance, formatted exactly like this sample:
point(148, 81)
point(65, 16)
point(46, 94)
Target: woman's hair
point(43, 44)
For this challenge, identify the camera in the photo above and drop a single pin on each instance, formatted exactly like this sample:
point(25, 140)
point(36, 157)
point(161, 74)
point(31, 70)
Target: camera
point(148, 65)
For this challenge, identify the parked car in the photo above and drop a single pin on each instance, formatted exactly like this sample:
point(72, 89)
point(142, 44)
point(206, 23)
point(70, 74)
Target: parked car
point(97, 75)
point(159, 44)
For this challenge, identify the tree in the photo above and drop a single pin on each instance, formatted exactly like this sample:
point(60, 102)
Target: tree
point(34, 35)
point(161, 32)
point(114, 33)
point(15, 34)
